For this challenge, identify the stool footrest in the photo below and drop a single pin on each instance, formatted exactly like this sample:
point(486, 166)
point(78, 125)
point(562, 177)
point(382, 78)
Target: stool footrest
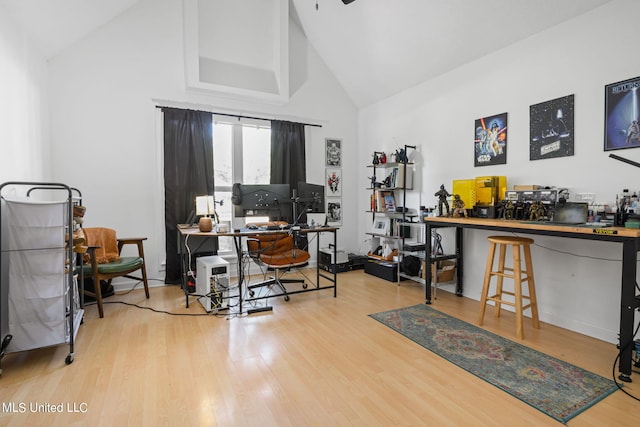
point(523, 277)
point(511, 303)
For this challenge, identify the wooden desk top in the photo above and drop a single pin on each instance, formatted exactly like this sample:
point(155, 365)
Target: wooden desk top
point(539, 226)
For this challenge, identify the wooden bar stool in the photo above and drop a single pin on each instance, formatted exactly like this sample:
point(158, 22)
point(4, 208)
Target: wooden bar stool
point(518, 275)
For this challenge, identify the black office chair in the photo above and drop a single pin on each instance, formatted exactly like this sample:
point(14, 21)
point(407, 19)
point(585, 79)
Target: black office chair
point(276, 252)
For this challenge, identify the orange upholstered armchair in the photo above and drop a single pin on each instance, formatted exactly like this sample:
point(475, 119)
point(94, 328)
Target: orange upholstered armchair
point(276, 251)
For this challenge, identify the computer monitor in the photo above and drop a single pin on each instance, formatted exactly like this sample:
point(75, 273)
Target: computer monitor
point(270, 200)
point(309, 199)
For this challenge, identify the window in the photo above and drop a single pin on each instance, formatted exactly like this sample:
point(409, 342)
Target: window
point(242, 153)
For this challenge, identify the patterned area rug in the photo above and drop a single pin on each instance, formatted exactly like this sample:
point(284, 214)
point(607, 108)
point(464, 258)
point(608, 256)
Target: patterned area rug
point(552, 386)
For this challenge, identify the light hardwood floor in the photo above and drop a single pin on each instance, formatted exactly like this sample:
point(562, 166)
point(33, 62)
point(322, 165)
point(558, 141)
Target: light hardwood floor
point(314, 361)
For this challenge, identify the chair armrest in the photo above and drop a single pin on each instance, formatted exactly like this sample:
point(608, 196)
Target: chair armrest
point(132, 241)
point(91, 255)
point(127, 240)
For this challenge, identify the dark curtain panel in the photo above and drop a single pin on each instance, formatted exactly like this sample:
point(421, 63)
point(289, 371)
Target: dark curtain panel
point(188, 172)
point(287, 153)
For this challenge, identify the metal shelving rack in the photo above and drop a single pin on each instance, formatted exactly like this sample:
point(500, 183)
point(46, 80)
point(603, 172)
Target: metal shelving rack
point(396, 237)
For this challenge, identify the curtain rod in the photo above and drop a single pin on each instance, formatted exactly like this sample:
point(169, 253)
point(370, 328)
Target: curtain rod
point(240, 116)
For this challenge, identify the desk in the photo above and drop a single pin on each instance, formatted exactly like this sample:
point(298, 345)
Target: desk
point(185, 231)
point(630, 239)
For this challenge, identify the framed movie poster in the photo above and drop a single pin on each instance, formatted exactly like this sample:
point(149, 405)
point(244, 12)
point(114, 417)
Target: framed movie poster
point(551, 129)
point(621, 110)
point(334, 211)
point(333, 152)
point(333, 182)
point(491, 140)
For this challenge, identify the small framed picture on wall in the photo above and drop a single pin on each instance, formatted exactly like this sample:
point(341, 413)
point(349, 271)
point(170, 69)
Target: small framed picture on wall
point(333, 182)
point(334, 211)
point(333, 152)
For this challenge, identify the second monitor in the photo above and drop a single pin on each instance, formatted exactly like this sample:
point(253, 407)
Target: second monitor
point(309, 198)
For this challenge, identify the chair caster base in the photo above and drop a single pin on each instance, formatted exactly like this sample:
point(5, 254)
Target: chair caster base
point(624, 378)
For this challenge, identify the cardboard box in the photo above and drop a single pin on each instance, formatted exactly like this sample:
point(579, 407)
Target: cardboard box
point(441, 271)
point(526, 187)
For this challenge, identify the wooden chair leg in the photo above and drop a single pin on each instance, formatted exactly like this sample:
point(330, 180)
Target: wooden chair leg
point(145, 282)
point(98, 293)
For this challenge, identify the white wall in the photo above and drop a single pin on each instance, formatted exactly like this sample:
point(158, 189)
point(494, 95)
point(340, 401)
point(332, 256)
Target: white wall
point(579, 57)
point(24, 144)
point(104, 120)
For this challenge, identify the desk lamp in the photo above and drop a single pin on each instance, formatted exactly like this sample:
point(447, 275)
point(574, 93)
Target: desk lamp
point(205, 206)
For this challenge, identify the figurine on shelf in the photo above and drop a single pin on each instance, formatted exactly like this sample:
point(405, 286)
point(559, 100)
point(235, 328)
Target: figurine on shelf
point(458, 207)
point(374, 183)
point(379, 158)
point(509, 209)
point(442, 195)
point(501, 211)
point(536, 211)
point(401, 156)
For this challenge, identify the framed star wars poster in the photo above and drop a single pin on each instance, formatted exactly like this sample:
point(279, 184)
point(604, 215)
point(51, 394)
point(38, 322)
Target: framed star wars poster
point(491, 140)
point(621, 111)
point(551, 129)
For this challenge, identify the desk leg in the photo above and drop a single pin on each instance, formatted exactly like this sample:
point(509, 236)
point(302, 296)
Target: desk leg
point(183, 272)
point(627, 306)
point(427, 262)
point(459, 259)
point(317, 258)
point(335, 258)
point(237, 240)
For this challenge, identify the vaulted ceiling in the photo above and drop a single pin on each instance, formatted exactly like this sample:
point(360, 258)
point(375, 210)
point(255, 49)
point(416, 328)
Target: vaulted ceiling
point(375, 48)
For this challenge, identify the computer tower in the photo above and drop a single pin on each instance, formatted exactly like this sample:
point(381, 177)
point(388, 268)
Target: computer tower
point(212, 282)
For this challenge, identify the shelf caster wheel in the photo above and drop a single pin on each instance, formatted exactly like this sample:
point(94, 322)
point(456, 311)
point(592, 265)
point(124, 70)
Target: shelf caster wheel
point(5, 343)
point(286, 298)
point(68, 360)
point(304, 286)
point(251, 293)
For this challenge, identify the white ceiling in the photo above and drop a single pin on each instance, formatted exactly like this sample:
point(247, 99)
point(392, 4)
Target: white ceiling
point(375, 48)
